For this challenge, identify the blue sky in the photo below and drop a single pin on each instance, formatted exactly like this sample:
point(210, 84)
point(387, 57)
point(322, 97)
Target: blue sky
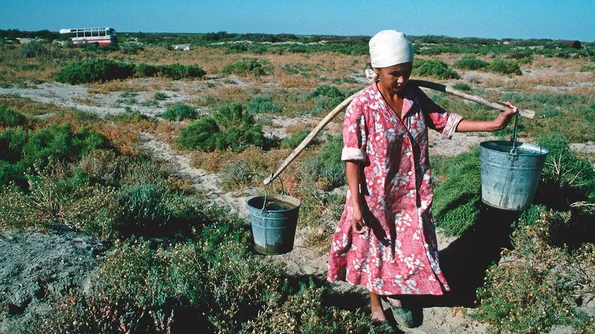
point(551, 19)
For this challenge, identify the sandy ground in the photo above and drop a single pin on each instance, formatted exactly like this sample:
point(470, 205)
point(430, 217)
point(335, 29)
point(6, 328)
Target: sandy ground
point(31, 264)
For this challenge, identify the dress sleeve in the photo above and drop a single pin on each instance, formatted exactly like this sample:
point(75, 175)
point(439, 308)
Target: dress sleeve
point(436, 117)
point(354, 133)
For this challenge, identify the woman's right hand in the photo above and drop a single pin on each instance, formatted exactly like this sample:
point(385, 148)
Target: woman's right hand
point(358, 225)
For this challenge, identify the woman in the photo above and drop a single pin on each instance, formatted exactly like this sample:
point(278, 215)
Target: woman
point(385, 240)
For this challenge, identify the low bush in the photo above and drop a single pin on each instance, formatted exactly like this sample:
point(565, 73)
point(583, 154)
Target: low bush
point(34, 50)
point(230, 127)
point(462, 87)
point(246, 67)
point(457, 201)
point(471, 63)
point(130, 49)
point(23, 151)
point(10, 117)
point(180, 112)
point(433, 68)
point(326, 98)
point(296, 138)
point(305, 312)
point(177, 71)
point(504, 66)
point(144, 70)
point(202, 134)
point(541, 282)
point(567, 179)
point(327, 168)
point(94, 70)
point(98, 70)
point(143, 207)
point(263, 104)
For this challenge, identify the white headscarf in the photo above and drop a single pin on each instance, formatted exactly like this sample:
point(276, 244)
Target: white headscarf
point(390, 47)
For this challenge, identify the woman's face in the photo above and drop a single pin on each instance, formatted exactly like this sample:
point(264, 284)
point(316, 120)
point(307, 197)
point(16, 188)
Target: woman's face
point(395, 77)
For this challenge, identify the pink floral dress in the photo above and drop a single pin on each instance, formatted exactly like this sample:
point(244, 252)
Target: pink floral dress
point(399, 253)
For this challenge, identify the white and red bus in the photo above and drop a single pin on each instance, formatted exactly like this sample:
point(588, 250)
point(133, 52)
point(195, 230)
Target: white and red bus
point(92, 36)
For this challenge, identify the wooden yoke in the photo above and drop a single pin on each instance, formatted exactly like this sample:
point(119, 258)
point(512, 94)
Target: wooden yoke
point(421, 83)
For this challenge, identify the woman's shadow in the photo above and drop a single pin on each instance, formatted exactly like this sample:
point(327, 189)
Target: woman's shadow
point(465, 261)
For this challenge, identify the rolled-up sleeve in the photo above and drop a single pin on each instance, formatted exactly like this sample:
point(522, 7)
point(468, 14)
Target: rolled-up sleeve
point(437, 118)
point(354, 133)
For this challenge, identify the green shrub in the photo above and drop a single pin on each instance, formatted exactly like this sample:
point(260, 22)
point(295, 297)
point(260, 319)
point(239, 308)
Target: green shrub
point(588, 114)
point(169, 288)
point(230, 127)
point(304, 312)
point(544, 283)
point(246, 67)
point(143, 207)
point(566, 177)
point(12, 142)
point(549, 112)
point(144, 70)
point(456, 203)
point(179, 112)
point(238, 127)
point(327, 167)
point(555, 99)
point(462, 87)
point(97, 70)
point(263, 104)
point(94, 70)
point(532, 301)
point(202, 134)
point(471, 63)
point(60, 142)
point(296, 138)
point(10, 117)
point(433, 68)
point(177, 71)
point(33, 50)
point(504, 66)
point(326, 98)
point(160, 96)
point(130, 49)
point(39, 147)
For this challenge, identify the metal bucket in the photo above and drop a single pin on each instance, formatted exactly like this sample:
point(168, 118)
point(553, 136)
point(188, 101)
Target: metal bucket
point(510, 173)
point(273, 224)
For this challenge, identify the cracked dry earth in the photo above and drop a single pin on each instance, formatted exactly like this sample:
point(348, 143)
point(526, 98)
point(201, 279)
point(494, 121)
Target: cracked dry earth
point(32, 263)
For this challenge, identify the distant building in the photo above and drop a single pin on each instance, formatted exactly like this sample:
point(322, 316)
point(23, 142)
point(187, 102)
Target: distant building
point(571, 44)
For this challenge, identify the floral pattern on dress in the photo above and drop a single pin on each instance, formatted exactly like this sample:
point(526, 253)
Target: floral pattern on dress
point(399, 253)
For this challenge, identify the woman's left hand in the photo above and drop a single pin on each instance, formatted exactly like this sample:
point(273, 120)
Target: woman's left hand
point(504, 117)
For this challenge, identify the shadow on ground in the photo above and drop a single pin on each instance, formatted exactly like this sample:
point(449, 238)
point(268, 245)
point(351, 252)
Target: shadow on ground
point(465, 261)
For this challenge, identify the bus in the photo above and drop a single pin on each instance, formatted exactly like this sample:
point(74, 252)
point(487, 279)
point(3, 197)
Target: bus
point(91, 36)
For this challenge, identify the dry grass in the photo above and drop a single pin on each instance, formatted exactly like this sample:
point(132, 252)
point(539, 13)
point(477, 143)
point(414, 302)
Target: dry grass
point(28, 107)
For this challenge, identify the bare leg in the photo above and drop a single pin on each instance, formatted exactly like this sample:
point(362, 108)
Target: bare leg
point(376, 305)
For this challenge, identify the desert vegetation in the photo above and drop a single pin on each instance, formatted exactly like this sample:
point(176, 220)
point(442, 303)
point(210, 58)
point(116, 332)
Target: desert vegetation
point(173, 259)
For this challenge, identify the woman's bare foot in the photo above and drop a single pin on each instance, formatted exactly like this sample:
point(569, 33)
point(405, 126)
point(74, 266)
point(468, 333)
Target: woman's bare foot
point(378, 314)
point(376, 307)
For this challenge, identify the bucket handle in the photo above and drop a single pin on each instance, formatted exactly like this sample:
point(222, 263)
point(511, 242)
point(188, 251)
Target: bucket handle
point(514, 133)
point(264, 203)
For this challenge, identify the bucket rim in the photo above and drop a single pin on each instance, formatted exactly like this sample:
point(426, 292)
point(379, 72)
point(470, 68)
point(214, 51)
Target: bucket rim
point(296, 203)
point(504, 146)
